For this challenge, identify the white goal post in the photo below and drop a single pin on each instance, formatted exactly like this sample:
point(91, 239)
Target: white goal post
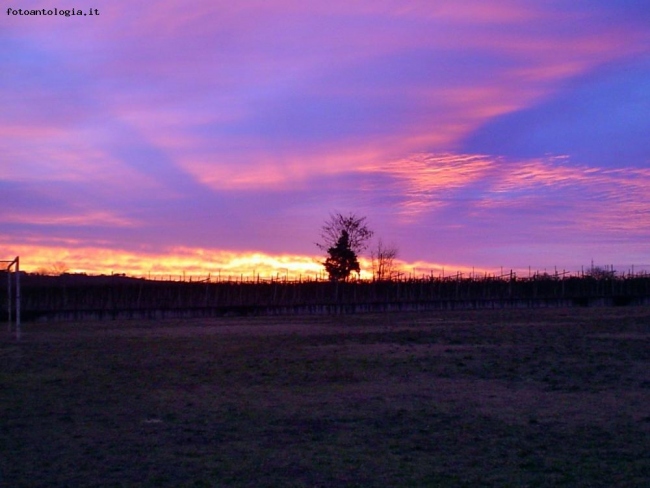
point(13, 264)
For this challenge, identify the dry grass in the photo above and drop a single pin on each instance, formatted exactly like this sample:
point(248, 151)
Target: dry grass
point(487, 398)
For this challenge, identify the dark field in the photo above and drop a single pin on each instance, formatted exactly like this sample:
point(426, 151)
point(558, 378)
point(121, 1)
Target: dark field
point(475, 398)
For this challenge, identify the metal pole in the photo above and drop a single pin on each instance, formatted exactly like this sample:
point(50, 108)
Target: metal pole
point(17, 298)
point(9, 297)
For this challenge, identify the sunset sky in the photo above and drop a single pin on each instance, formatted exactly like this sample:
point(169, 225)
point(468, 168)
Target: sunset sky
point(212, 136)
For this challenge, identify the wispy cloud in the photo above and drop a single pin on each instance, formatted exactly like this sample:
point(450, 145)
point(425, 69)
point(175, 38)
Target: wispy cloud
point(425, 182)
point(92, 219)
point(528, 200)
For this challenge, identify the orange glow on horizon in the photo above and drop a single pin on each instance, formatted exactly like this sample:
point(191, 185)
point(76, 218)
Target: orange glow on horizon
point(200, 264)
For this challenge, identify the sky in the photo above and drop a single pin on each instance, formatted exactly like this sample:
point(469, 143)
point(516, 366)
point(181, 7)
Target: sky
point(216, 137)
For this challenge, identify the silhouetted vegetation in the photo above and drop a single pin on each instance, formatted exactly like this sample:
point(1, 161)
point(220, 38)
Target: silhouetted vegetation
point(344, 237)
point(80, 296)
point(356, 228)
point(341, 260)
point(383, 261)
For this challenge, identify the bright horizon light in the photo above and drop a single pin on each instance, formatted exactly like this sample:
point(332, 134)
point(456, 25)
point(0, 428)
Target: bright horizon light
point(198, 264)
point(216, 265)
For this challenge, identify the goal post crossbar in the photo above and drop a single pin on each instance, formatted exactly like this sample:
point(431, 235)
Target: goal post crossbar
point(8, 265)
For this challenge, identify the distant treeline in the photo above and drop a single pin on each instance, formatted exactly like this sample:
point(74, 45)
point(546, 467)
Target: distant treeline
point(70, 297)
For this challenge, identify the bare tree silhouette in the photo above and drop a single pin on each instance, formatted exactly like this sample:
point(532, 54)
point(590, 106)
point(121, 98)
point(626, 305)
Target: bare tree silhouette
point(383, 261)
point(356, 227)
point(57, 268)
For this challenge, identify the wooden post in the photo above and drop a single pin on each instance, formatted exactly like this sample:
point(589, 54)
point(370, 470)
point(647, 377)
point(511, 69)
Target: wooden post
point(510, 286)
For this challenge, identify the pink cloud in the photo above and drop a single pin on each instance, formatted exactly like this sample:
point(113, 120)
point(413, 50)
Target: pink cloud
point(80, 219)
point(426, 180)
point(498, 190)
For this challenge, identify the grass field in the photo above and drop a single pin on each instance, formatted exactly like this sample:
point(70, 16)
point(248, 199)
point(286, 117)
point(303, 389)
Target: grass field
point(475, 398)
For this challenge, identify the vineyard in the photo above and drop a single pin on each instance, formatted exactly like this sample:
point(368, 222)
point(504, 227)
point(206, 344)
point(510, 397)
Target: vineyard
point(79, 297)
